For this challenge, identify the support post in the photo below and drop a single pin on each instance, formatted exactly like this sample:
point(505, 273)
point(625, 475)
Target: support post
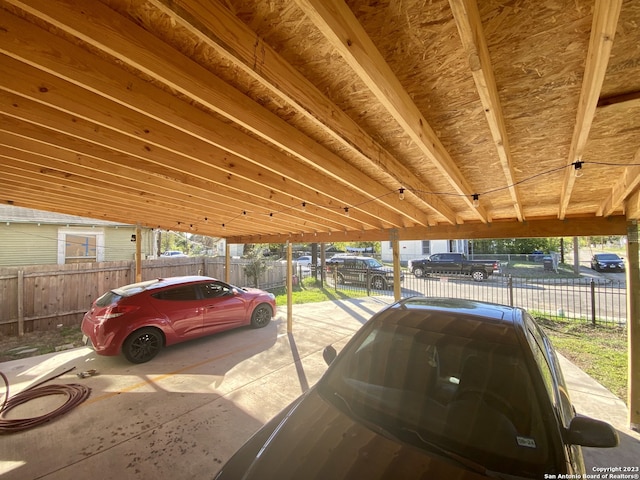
point(633, 324)
point(289, 288)
point(138, 253)
point(227, 263)
point(397, 286)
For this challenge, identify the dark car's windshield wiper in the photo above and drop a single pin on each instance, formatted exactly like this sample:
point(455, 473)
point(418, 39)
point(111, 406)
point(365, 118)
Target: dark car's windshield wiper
point(367, 423)
point(433, 447)
point(460, 460)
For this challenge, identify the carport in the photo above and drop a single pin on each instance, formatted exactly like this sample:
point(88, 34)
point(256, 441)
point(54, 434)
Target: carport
point(186, 412)
point(316, 120)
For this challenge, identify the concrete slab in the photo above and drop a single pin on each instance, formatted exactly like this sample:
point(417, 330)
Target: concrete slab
point(184, 413)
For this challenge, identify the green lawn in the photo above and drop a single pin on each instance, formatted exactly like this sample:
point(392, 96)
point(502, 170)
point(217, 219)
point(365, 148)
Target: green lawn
point(308, 292)
point(601, 351)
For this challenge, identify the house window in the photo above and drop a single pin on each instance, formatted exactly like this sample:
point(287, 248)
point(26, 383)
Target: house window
point(426, 247)
point(80, 245)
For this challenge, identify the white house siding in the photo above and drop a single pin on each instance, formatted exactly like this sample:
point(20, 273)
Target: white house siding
point(412, 249)
point(32, 244)
point(28, 244)
point(118, 244)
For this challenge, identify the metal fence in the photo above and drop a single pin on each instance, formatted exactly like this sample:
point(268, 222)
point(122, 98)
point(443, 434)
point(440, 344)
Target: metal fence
point(584, 299)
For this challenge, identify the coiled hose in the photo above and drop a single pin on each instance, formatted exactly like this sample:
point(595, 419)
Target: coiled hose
point(76, 394)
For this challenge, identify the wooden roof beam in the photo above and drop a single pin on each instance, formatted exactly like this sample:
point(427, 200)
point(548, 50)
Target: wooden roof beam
point(536, 228)
point(467, 18)
point(340, 26)
point(113, 34)
point(626, 185)
point(199, 165)
point(104, 79)
point(603, 30)
point(216, 26)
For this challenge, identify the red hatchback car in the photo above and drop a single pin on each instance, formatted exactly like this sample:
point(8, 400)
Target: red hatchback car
point(137, 320)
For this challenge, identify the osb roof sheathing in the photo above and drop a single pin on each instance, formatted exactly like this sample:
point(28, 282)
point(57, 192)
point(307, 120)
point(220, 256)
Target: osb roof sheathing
point(281, 120)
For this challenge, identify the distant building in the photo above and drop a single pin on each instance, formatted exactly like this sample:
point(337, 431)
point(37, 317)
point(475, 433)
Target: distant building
point(35, 237)
point(412, 249)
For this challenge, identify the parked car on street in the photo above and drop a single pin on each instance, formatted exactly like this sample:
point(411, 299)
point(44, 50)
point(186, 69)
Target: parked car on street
point(365, 271)
point(306, 260)
point(138, 320)
point(607, 262)
point(430, 388)
point(174, 254)
point(454, 264)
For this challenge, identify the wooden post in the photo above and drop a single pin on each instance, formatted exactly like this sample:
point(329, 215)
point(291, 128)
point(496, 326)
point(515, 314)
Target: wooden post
point(397, 286)
point(633, 324)
point(138, 253)
point(395, 246)
point(289, 288)
point(227, 263)
point(20, 303)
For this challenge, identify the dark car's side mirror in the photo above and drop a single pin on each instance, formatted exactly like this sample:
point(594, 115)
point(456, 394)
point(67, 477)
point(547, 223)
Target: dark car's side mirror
point(329, 354)
point(590, 432)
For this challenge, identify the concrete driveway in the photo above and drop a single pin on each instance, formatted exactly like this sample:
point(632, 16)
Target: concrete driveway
point(184, 413)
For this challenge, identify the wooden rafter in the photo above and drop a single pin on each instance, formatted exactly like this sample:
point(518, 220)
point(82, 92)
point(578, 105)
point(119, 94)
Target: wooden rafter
point(216, 26)
point(603, 30)
point(103, 29)
point(628, 182)
point(467, 17)
point(338, 24)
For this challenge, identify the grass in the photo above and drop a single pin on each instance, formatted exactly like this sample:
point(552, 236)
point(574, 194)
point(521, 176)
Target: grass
point(308, 292)
point(601, 351)
point(536, 270)
point(41, 342)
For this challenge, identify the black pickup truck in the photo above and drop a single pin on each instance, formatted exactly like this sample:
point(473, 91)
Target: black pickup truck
point(454, 263)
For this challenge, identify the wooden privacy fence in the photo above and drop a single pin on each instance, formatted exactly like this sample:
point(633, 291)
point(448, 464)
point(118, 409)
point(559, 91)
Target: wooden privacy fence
point(43, 297)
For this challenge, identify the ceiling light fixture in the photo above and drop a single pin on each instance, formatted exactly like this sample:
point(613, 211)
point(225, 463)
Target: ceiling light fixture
point(577, 168)
point(476, 200)
point(401, 193)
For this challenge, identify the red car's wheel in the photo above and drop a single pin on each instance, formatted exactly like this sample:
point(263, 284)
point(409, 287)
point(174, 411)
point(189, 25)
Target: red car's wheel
point(142, 345)
point(261, 316)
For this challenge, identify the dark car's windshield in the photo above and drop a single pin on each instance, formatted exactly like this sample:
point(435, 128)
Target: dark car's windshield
point(373, 263)
point(607, 256)
point(457, 390)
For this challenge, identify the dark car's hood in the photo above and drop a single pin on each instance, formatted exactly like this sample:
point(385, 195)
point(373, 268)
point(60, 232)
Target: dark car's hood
point(318, 441)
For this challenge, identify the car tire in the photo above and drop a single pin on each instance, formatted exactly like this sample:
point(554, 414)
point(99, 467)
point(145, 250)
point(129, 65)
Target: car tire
point(142, 345)
point(261, 316)
point(340, 279)
point(479, 275)
point(418, 272)
point(378, 283)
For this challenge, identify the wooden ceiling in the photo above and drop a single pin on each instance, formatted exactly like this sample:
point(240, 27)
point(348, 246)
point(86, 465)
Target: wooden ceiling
point(309, 120)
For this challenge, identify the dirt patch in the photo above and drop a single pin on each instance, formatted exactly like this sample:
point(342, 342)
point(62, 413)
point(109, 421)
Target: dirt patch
point(39, 343)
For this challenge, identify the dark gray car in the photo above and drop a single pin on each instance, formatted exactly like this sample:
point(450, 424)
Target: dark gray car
point(430, 388)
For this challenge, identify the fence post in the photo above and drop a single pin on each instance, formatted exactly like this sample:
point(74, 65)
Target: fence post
point(593, 302)
point(368, 280)
point(20, 293)
point(510, 289)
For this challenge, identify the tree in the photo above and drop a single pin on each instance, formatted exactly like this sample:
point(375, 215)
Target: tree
point(257, 265)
